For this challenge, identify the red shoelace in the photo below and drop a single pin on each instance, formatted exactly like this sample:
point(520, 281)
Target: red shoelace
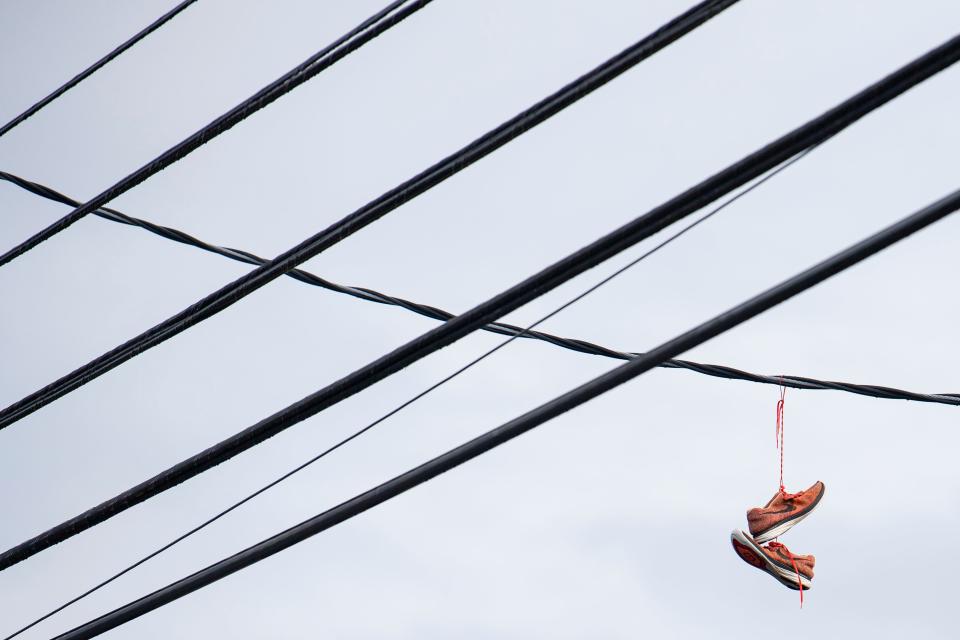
point(779, 439)
point(783, 490)
point(779, 433)
point(778, 545)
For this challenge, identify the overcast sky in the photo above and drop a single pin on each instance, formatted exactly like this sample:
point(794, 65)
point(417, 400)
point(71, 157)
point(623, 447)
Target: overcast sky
point(612, 521)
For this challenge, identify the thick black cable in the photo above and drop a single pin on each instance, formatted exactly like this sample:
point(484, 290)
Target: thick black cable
point(501, 328)
point(520, 425)
point(519, 334)
point(734, 176)
point(449, 166)
point(96, 66)
point(356, 38)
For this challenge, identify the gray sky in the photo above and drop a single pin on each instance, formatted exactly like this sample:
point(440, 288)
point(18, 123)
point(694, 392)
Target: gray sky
point(610, 522)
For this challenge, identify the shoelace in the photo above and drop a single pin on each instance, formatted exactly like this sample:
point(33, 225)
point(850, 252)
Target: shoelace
point(783, 490)
point(779, 433)
point(790, 496)
point(779, 441)
point(778, 545)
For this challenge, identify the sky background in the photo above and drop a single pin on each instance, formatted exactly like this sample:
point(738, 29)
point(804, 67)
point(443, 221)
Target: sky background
point(612, 521)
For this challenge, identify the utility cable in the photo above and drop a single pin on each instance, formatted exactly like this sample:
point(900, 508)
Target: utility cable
point(521, 333)
point(520, 425)
point(501, 328)
point(374, 210)
point(356, 38)
point(739, 173)
point(89, 71)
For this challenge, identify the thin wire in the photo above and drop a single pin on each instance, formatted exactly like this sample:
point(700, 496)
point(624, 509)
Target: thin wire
point(323, 59)
point(426, 391)
point(504, 433)
point(694, 199)
point(500, 328)
point(89, 71)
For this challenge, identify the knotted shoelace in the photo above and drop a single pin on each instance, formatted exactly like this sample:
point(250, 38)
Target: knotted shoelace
point(783, 490)
point(779, 433)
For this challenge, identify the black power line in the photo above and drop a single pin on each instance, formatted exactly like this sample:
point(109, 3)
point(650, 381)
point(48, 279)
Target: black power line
point(520, 425)
point(519, 334)
point(501, 328)
point(734, 176)
point(89, 71)
point(447, 167)
point(356, 38)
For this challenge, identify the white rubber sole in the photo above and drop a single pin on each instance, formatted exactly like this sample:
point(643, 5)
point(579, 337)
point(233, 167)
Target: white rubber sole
point(759, 560)
point(780, 529)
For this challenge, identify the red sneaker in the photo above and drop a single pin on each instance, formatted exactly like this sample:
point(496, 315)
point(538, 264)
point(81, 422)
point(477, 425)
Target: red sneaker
point(790, 570)
point(782, 512)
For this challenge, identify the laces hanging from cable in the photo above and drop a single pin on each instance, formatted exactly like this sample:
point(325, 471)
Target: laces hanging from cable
point(779, 431)
point(779, 439)
point(783, 490)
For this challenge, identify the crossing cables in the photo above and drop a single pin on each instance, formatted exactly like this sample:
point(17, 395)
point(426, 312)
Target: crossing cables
point(501, 328)
point(96, 66)
point(739, 173)
point(356, 38)
point(372, 211)
point(520, 425)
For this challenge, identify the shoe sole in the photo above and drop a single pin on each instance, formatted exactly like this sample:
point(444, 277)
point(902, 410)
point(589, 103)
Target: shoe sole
point(749, 551)
point(778, 530)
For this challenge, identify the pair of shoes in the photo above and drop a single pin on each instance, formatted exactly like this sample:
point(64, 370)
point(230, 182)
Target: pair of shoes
point(771, 521)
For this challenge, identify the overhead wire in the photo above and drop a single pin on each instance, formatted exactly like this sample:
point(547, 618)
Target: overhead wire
point(521, 333)
point(737, 174)
point(89, 71)
point(369, 29)
point(369, 213)
point(501, 328)
point(522, 424)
